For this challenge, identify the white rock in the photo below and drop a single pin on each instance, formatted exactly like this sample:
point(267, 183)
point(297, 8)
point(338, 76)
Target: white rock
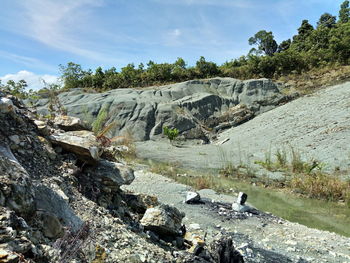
point(192, 197)
point(6, 105)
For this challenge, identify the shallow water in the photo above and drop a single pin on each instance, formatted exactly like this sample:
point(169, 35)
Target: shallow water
point(324, 215)
point(320, 214)
point(330, 216)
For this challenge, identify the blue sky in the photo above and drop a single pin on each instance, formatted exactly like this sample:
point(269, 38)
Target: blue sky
point(38, 35)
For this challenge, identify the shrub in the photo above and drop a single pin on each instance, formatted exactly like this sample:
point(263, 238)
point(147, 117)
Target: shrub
point(171, 133)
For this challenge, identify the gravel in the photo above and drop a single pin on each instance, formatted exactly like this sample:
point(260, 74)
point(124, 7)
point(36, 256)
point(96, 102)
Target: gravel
point(260, 237)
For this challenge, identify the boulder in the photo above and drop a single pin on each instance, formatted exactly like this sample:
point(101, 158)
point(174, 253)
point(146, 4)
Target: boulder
point(50, 224)
point(82, 143)
point(163, 219)
point(50, 200)
point(140, 202)
point(111, 174)
point(69, 123)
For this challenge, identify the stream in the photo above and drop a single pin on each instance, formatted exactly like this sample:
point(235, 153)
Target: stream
point(320, 214)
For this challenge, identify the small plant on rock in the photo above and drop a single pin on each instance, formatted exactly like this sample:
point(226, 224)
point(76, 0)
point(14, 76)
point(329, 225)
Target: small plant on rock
point(170, 133)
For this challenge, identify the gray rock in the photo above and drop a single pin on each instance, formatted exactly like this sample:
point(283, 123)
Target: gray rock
point(15, 139)
point(16, 191)
point(163, 219)
point(6, 105)
point(82, 143)
point(50, 224)
point(111, 174)
point(46, 199)
point(190, 106)
point(69, 123)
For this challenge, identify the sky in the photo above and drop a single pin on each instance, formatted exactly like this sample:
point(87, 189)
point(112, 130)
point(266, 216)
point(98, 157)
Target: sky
point(36, 36)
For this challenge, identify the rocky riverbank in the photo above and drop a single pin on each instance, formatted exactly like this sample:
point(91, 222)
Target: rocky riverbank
point(259, 237)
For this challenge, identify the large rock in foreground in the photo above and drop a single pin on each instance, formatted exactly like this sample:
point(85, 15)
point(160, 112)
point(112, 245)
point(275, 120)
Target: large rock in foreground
point(82, 143)
point(194, 107)
point(69, 123)
point(111, 174)
point(163, 219)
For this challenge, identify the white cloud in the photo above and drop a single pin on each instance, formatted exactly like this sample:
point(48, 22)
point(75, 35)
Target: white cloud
point(222, 3)
point(173, 37)
point(27, 61)
point(33, 80)
point(59, 24)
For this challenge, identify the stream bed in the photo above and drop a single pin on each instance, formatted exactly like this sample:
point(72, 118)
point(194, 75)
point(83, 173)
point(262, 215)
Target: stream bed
point(320, 214)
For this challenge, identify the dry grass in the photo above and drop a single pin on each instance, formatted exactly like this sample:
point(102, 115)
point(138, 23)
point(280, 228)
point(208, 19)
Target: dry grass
point(315, 79)
point(306, 177)
point(126, 139)
point(202, 182)
point(321, 186)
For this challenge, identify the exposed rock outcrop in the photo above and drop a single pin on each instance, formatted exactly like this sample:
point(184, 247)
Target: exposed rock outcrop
point(57, 207)
point(197, 108)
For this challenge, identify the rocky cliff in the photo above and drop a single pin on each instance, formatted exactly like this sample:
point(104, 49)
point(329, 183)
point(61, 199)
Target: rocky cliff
point(198, 108)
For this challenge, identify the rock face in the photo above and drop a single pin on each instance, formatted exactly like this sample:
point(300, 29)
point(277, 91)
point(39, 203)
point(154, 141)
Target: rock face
point(15, 186)
point(163, 219)
point(68, 123)
point(194, 107)
point(82, 143)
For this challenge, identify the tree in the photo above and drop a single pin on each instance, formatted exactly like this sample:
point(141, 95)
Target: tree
point(206, 68)
point(265, 42)
point(284, 45)
point(326, 20)
point(71, 75)
point(98, 78)
point(17, 89)
point(305, 29)
point(179, 71)
point(344, 12)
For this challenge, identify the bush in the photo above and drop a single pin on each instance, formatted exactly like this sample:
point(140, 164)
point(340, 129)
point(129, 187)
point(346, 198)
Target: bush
point(171, 133)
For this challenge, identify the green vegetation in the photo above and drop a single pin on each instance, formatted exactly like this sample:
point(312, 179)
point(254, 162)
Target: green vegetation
point(314, 49)
point(170, 133)
point(16, 88)
point(100, 120)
